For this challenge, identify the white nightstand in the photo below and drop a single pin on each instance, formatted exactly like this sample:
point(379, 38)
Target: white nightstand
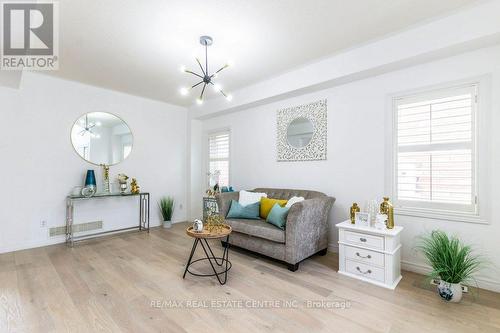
point(370, 254)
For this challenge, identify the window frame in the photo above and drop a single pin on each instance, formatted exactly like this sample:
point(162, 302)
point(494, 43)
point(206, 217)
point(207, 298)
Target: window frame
point(207, 154)
point(480, 147)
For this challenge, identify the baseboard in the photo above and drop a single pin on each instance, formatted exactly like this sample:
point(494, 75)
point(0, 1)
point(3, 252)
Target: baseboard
point(32, 245)
point(482, 282)
point(50, 241)
point(333, 247)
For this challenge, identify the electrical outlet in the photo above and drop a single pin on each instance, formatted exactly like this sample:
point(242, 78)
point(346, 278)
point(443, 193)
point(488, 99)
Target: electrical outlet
point(43, 224)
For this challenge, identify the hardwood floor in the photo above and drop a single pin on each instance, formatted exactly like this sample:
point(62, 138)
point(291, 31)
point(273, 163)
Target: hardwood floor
point(133, 283)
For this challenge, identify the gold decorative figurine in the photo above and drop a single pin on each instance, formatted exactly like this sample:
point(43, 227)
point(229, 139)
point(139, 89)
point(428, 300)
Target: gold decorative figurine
point(354, 210)
point(134, 188)
point(105, 173)
point(214, 223)
point(387, 208)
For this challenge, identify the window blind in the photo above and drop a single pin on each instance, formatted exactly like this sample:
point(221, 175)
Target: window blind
point(218, 155)
point(435, 158)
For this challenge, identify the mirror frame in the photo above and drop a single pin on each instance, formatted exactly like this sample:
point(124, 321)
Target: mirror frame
point(76, 152)
point(316, 113)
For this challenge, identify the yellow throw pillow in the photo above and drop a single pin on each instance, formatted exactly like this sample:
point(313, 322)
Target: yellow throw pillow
point(266, 204)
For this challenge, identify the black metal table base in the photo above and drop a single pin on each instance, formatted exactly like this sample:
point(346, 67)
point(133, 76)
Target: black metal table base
point(212, 259)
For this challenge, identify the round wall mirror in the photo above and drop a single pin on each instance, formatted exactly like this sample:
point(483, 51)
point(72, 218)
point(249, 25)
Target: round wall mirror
point(299, 132)
point(102, 138)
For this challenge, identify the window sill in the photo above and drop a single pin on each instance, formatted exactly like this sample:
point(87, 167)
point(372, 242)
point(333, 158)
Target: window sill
point(441, 215)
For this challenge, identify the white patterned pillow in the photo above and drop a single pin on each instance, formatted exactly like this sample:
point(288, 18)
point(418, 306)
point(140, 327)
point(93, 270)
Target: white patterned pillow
point(293, 200)
point(248, 198)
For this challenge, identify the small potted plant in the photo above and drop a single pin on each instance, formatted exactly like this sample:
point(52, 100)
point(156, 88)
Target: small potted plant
point(166, 205)
point(452, 262)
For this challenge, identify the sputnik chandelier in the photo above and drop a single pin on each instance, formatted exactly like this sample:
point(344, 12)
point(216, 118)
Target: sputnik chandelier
point(206, 79)
point(87, 127)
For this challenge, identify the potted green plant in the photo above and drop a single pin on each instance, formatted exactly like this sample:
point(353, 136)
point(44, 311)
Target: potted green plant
point(452, 262)
point(166, 205)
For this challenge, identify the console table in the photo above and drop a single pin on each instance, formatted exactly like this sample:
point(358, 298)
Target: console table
point(370, 254)
point(143, 214)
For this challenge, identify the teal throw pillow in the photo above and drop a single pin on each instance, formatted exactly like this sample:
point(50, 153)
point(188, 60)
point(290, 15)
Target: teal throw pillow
point(277, 216)
point(237, 211)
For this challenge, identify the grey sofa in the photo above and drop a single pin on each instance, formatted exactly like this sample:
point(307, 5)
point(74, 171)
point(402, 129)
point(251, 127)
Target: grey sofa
point(306, 229)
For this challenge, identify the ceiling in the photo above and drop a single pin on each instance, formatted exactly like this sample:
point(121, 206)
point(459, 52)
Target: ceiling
point(137, 47)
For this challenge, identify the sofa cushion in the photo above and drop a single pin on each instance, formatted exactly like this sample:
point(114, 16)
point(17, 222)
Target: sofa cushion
point(294, 200)
point(277, 216)
point(266, 204)
point(238, 211)
point(248, 198)
point(257, 228)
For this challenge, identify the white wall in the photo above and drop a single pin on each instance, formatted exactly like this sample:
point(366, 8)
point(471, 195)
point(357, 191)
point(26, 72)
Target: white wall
point(357, 163)
point(38, 166)
point(197, 180)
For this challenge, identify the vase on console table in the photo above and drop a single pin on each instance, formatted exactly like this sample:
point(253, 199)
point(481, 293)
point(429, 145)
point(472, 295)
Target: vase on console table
point(122, 179)
point(90, 184)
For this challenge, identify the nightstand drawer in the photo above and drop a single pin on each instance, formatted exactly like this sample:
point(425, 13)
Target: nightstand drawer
point(366, 271)
point(372, 241)
point(365, 256)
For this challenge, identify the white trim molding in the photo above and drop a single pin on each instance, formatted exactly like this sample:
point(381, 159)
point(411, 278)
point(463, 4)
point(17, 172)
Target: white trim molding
point(482, 148)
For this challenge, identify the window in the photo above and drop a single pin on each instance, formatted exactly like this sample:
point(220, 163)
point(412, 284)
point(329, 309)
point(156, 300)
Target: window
point(218, 158)
point(435, 150)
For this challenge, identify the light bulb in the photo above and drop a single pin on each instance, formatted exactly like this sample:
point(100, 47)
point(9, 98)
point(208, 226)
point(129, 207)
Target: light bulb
point(184, 91)
point(98, 123)
point(199, 101)
point(214, 76)
point(229, 97)
point(97, 136)
point(217, 87)
point(229, 63)
point(183, 68)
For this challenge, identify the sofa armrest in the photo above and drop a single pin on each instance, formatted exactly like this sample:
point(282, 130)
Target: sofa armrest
point(307, 228)
point(224, 201)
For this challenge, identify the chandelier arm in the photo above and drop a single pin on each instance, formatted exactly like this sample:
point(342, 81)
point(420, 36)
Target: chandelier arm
point(197, 84)
point(220, 90)
point(203, 91)
point(223, 93)
point(198, 75)
point(219, 70)
point(199, 63)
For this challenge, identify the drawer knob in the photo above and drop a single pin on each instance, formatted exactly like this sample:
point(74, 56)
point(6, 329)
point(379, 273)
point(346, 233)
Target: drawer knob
point(363, 239)
point(367, 272)
point(367, 257)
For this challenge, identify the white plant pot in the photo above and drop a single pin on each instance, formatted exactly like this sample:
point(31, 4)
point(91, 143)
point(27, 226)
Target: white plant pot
point(167, 224)
point(450, 292)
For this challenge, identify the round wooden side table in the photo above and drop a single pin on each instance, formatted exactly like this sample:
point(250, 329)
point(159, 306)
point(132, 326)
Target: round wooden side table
point(202, 238)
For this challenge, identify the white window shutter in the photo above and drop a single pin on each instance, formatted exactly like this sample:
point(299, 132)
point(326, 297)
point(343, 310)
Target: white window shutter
point(435, 149)
point(218, 156)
